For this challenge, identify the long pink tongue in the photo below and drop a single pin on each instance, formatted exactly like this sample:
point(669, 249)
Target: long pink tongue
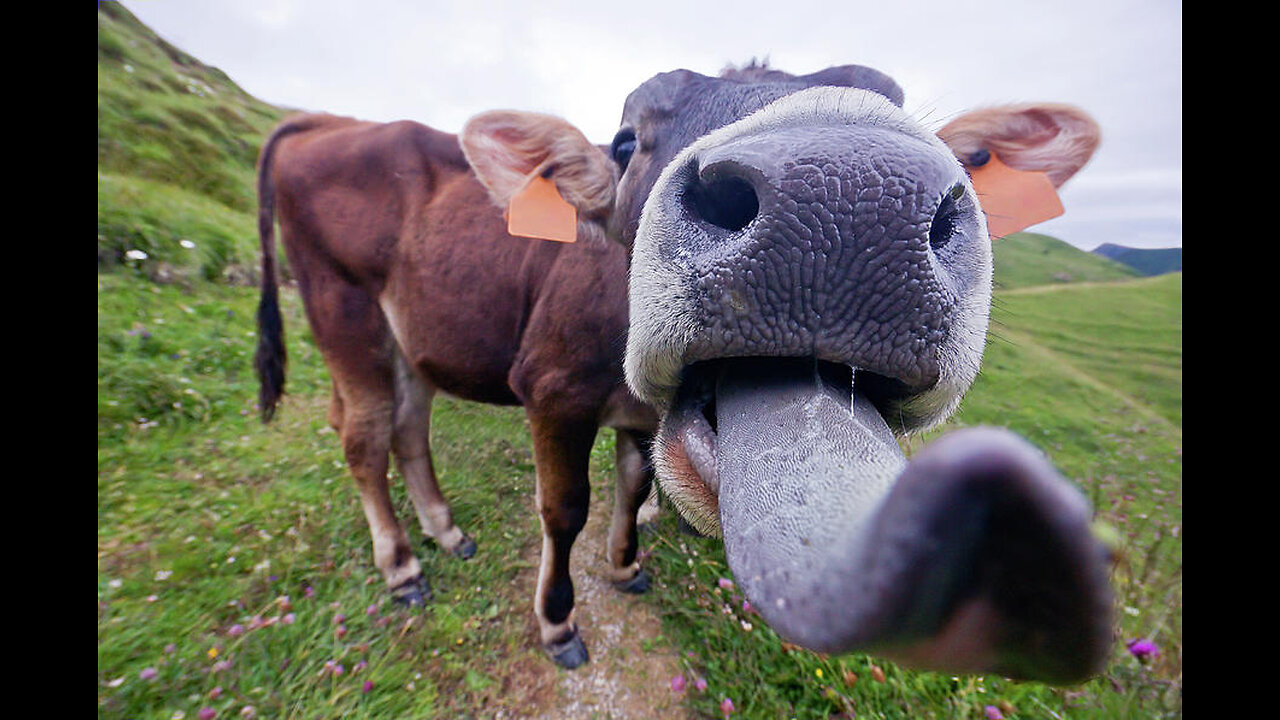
point(804, 465)
point(975, 557)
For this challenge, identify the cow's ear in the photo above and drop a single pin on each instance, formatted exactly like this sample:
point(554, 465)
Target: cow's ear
point(507, 149)
point(1053, 139)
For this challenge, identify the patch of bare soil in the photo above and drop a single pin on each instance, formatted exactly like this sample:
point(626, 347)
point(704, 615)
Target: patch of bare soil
point(629, 674)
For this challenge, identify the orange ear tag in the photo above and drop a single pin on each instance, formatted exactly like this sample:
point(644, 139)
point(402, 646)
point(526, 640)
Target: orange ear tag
point(538, 211)
point(1013, 199)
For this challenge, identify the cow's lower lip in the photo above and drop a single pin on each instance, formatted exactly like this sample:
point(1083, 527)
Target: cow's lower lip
point(975, 557)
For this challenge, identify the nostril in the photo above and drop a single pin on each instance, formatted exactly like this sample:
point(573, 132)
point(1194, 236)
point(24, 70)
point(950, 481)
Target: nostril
point(723, 198)
point(946, 218)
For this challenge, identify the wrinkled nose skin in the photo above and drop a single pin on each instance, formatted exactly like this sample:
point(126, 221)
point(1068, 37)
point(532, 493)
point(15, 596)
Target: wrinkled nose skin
point(808, 283)
point(836, 264)
point(859, 244)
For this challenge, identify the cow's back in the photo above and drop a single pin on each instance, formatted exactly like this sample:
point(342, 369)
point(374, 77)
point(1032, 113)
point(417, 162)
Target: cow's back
point(395, 210)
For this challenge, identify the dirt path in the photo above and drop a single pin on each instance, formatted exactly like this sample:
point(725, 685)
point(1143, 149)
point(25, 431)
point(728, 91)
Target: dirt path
point(629, 674)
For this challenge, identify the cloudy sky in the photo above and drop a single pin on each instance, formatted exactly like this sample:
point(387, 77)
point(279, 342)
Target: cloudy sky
point(439, 62)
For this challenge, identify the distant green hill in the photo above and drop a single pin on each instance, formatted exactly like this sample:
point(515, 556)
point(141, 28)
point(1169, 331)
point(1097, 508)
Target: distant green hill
point(1147, 261)
point(177, 145)
point(1028, 259)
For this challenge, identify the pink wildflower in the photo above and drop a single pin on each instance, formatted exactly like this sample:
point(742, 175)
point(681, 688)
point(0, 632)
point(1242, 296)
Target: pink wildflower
point(215, 693)
point(368, 686)
point(289, 619)
point(677, 684)
point(148, 673)
point(339, 619)
point(700, 683)
point(207, 713)
point(726, 707)
point(236, 630)
point(1143, 649)
point(371, 610)
point(726, 584)
point(991, 712)
point(359, 666)
point(340, 632)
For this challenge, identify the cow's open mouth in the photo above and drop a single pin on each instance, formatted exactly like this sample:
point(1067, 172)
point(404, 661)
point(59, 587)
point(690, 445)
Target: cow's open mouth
point(691, 436)
point(974, 556)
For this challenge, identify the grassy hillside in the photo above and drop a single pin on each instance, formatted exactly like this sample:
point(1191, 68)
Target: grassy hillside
point(1026, 259)
point(206, 519)
point(177, 144)
point(227, 549)
point(1147, 261)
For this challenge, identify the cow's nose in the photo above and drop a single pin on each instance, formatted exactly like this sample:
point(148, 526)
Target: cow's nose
point(724, 194)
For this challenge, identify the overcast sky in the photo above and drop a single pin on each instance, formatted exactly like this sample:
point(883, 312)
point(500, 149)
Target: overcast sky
point(441, 62)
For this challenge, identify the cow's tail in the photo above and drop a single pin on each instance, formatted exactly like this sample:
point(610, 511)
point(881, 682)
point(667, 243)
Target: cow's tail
point(271, 358)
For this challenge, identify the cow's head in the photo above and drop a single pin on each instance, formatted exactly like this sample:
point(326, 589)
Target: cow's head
point(810, 280)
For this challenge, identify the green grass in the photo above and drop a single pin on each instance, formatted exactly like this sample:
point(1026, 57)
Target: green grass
point(1028, 259)
point(177, 146)
point(206, 518)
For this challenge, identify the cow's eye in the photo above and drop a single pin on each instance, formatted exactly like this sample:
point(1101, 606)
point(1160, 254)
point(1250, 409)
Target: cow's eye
point(624, 144)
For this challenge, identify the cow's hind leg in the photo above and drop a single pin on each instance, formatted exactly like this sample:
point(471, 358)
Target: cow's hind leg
point(411, 443)
point(355, 340)
point(561, 454)
point(633, 484)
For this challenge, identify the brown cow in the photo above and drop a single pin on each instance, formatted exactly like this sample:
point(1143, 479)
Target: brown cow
point(412, 285)
point(810, 278)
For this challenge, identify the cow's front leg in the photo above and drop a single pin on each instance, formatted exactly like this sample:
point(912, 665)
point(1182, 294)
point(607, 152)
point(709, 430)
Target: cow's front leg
point(562, 452)
point(633, 483)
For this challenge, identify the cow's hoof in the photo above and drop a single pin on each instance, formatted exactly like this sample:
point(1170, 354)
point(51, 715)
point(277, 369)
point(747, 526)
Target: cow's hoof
point(636, 585)
point(414, 593)
point(465, 549)
point(569, 653)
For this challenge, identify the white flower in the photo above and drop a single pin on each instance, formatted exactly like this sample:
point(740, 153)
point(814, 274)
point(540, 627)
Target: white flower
point(136, 255)
point(186, 243)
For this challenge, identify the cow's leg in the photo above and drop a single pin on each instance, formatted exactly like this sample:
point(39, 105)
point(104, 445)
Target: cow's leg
point(411, 443)
point(335, 408)
point(357, 347)
point(366, 432)
point(561, 455)
point(631, 489)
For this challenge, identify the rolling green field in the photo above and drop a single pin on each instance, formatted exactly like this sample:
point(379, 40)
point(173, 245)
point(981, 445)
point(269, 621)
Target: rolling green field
point(234, 569)
point(208, 519)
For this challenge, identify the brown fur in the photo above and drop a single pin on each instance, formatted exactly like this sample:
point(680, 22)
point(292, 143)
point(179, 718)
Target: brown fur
point(411, 286)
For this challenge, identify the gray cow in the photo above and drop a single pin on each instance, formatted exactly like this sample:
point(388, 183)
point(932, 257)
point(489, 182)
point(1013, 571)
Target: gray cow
point(810, 279)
